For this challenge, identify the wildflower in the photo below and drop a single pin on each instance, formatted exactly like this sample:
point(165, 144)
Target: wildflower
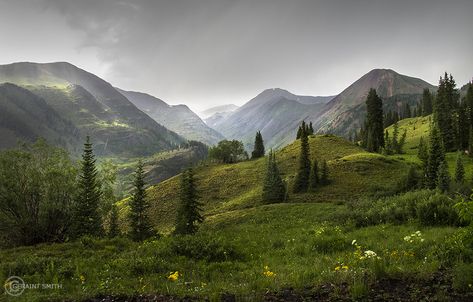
point(267, 272)
point(353, 242)
point(370, 254)
point(345, 267)
point(337, 268)
point(174, 276)
point(82, 279)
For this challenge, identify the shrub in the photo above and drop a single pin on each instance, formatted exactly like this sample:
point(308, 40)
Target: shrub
point(203, 248)
point(437, 210)
point(463, 277)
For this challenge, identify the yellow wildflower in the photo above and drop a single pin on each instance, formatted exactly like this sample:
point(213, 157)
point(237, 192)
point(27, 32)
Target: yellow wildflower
point(82, 279)
point(269, 274)
point(174, 276)
point(337, 268)
point(345, 267)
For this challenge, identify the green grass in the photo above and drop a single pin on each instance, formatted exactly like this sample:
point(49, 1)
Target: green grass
point(311, 242)
point(353, 173)
point(248, 249)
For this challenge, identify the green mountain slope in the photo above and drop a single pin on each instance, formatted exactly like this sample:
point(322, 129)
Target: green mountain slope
point(226, 188)
point(94, 107)
point(178, 118)
point(25, 116)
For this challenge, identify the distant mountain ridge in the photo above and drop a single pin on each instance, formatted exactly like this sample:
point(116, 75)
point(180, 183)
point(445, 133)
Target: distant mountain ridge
point(217, 109)
point(178, 118)
point(278, 113)
point(93, 106)
point(275, 112)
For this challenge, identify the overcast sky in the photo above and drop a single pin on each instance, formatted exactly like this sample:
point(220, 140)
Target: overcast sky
point(210, 52)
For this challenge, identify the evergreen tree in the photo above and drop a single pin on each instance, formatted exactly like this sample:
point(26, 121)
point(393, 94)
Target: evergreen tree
point(374, 122)
point(274, 188)
point(311, 128)
point(426, 102)
point(301, 182)
point(407, 111)
point(324, 174)
point(469, 102)
point(443, 180)
point(462, 124)
point(113, 229)
point(87, 220)
point(470, 142)
point(140, 225)
point(258, 150)
point(423, 153)
point(188, 214)
point(436, 157)
point(314, 179)
point(299, 132)
point(459, 169)
point(445, 105)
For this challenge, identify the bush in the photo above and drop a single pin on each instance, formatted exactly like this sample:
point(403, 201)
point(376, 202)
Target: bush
point(203, 248)
point(329, 239)
point(437, 210)
point(463, 277)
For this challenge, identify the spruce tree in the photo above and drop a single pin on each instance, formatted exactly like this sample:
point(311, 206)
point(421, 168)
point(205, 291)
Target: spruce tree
point(299, 132)
point(188, 213)
point(470, 142)
point(87, 220)
point(423, 153)
point(314, 178)
point(324, 174)
point(274, 188)
point(426, 102)
point(113, 228)
point(301, 182)
point(445, 105)
point(374, 122)
point(311, 128)
point(443, 180)
point(436, 157)
point(459, 169)
point(140, 225)
point(258, 150)
point(469, 102)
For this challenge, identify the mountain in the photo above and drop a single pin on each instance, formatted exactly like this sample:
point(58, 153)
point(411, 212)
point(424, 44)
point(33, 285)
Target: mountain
point(93, 106)
point(218, 109)
point(178, 118)
point(338, 115)
point(275, 112)
point(26, 117)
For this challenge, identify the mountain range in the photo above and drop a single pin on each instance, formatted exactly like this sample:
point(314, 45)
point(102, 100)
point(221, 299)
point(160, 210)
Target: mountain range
point(63, 103)
point(277, 113)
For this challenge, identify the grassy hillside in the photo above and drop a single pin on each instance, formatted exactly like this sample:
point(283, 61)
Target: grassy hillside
point(418, 127)
point(354, 173)
point(316, 246)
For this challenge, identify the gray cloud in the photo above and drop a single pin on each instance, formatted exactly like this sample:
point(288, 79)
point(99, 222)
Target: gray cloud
point(207, 52)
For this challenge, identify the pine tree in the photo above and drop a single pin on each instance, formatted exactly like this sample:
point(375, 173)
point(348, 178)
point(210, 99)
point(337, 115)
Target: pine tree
point(469, 102)
point(314, 179)
point(446, 103)
point(407, 111)
point(274, 188)
point(258, 150)
point(301, 182)
point(324, 174)
point(436, 157)
point(423, 153)
point(87, 220)
point(113, 229)
point(140, 225)
point(426, 102)
point(459, 169)
point(443, 180)
point(311, 128)
point(188, 214)
point(470, 142)
point(299, 132)
point(374, 122)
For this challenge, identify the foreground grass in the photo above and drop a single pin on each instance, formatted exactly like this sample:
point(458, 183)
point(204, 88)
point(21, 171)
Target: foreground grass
point(245, 252)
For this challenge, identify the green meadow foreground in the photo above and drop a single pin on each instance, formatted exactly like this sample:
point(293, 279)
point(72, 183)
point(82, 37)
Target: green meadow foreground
point(360, 237)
